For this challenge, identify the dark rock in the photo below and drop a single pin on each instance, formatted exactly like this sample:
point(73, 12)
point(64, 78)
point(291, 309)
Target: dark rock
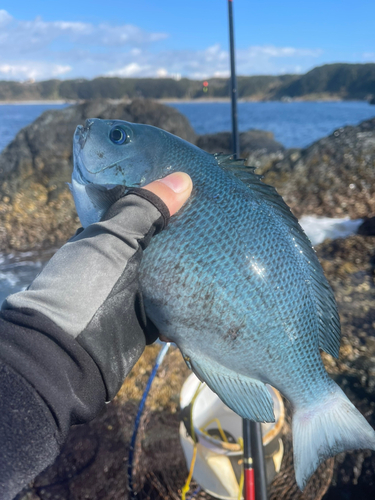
point(333, 177)
point(250, 141)
point(36, 208)
point(258, 147)
point(348, 265)
point(367, 228)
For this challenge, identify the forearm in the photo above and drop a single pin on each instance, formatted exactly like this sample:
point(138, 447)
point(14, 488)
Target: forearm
point(67, 343)
point(47, 383)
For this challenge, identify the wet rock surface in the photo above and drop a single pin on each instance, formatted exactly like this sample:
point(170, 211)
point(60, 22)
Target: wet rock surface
point(333, 177)
point(349, 266)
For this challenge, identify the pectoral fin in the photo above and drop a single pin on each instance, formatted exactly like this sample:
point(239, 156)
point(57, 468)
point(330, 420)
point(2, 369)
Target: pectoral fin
point(103, 198)
point(246, 396)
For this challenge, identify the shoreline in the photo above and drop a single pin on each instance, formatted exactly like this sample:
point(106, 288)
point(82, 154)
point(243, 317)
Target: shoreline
point(175, 100)
point(36, 102)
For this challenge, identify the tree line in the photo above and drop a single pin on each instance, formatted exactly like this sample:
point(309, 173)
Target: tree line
point(345, 81)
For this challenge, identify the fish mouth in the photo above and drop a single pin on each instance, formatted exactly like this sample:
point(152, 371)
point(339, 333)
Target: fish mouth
point(77, 161)
point(81, 133)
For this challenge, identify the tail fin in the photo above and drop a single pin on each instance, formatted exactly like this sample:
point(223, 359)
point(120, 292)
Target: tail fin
point(326, 428)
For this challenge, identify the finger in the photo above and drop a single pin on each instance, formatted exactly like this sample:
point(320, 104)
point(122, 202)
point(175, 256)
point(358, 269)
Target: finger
point(163, 338)
point(174, 190)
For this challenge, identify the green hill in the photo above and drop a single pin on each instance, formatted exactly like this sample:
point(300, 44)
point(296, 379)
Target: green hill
point(156, 88)
point(342, 81)
point(347, 81)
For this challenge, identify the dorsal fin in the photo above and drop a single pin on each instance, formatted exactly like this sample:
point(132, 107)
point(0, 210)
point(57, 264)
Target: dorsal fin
point(329, 323)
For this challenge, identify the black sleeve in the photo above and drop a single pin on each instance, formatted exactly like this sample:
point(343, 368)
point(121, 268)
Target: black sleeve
point(47, 383)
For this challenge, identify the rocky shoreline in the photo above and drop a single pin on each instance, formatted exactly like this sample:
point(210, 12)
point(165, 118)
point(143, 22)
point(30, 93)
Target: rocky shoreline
point(36, 207)
point(319, 97)
point(333, 177)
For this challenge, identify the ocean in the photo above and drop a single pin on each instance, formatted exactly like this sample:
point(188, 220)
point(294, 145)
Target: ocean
point(294, 124)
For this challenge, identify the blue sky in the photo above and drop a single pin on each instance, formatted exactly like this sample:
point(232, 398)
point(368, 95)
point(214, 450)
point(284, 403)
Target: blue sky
point(74, 39)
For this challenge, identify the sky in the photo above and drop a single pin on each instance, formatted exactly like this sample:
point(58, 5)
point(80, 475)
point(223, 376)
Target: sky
point(68, 39)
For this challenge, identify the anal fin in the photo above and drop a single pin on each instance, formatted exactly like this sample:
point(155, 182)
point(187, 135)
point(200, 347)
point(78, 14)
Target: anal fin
point(246, 396)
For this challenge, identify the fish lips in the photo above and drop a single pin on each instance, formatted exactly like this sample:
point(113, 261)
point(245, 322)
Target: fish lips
point(80, 135)
point(79, 167)
point(81, 173)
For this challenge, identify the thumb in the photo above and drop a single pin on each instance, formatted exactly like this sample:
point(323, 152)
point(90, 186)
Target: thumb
point(174, 190)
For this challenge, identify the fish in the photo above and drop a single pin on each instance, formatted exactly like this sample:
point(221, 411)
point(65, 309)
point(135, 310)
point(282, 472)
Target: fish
point(233, 280)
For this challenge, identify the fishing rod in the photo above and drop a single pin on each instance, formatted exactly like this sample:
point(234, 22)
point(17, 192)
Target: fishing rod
point(255, 480)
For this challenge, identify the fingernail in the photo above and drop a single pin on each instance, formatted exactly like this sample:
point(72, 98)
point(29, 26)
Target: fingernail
point(178, 182)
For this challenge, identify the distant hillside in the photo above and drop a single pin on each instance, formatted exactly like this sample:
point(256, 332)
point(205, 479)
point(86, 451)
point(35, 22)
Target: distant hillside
point(346, 81)
point(155, 88)
point(342, 81)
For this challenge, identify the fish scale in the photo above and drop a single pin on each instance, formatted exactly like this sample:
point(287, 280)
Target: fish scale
point(233, 280)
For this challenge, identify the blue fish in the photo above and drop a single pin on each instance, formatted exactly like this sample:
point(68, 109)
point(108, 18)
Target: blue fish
point(233, 281)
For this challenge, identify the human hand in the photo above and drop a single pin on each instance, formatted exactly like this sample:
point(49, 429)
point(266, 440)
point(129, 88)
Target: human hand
point(174, 190)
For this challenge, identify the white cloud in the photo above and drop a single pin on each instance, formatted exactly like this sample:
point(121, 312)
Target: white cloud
point(40, 50)
point(17, 36)
point(5, 18)
point(162, 73)
point(132, 69)
point(369, 56)
point(272, 51)
point(34, 71)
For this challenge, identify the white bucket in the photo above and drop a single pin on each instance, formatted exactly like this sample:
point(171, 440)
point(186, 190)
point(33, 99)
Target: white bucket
point(218, 464)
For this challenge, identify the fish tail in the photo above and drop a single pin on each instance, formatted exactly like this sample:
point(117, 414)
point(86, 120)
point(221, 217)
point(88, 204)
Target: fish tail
point(325, 428)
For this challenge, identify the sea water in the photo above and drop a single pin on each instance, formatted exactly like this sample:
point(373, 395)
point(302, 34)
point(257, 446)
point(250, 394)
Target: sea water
point(13, 117)
point(294, 124)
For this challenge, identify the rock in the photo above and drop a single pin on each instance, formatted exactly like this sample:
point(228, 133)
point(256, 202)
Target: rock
point(36, 207)
point(258, 147)
point(250, 142)
point(367, 228)
point(349, 266)
point(334, 177)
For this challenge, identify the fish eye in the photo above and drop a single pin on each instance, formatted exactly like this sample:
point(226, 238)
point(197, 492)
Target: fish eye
point(117, 135)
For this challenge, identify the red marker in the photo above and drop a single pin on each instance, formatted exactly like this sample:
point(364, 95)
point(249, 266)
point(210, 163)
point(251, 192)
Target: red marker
point(249, 484)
